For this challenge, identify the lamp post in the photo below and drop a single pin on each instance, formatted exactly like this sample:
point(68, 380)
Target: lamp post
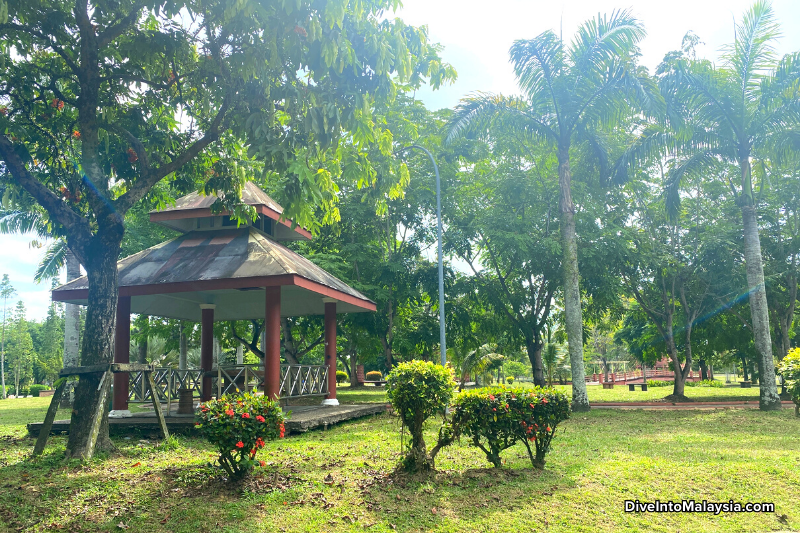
point(442, 345)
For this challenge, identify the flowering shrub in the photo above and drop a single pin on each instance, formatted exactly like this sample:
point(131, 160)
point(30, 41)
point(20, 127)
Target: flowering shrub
point(789, 369)
point(373, 375)
point(417, 390)
point(510, 380)
point(496, 418)
point(238, 425)
point(341, 376)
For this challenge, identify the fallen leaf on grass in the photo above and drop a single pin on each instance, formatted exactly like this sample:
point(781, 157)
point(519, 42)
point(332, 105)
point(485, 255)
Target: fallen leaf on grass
point(134, 465)
point(434, 511)
point(122, 526)
point(164, 520)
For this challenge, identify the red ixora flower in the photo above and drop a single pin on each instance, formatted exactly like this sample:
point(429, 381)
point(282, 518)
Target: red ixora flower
point(283, 429)
point(229, 412)
point(245, 415)
point(240, 444)
point(544, 400)
point(260, 418)
point(491, 397)
point(76, 134)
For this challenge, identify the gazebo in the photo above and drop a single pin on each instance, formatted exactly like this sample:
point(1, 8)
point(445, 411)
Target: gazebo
point(218, 271)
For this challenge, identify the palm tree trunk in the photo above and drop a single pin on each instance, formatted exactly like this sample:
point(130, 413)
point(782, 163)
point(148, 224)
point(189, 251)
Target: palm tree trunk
point(72, 328)
point(758, 309)
point(572, 290)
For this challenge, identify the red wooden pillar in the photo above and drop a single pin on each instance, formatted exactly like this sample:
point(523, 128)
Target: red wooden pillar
point(206, 346)
point(330, 350)
point(272, 343)
point(122, 354)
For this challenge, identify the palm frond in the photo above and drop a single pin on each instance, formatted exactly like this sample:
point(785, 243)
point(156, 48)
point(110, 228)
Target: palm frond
point(479, 112)
point(601, 41)
point(538, 64)
point(22, 221)
point(753, 51)
point(691, 166)
point(52, 262)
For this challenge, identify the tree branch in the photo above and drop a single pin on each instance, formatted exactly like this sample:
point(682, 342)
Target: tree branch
point(112, 32)
point(77, 227)
point(140, 188)
point(50, 44)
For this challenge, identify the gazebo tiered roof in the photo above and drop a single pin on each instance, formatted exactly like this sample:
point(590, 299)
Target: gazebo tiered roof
point(226, 267)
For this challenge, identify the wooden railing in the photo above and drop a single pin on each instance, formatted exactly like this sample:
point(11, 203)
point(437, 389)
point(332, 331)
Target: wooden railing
point(295, 381)
point(304, 380)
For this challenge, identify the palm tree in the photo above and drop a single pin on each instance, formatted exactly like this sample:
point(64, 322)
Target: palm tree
point(478, 362)
point(730, 120)
point(569, 92)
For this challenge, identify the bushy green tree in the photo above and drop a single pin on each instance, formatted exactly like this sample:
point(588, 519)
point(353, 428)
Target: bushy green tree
point(418, 390)
point(104, 103)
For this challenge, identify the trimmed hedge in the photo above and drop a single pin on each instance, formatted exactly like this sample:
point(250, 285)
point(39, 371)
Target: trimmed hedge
point(496, 418)
point(374, 375)
point(36, 388)
point(417, 390)
point(341, 376)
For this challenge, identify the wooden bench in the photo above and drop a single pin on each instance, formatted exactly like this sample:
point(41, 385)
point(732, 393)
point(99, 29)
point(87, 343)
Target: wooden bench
point(632, 386)
point(361, 380)
point(745, 384)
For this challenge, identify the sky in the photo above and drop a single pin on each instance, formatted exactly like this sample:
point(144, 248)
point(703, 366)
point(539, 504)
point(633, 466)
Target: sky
point(476, 37)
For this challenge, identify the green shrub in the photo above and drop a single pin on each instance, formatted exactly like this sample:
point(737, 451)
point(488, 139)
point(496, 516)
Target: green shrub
point(496, 418)
point(705, 383)
point(341, 377)
point(36, 388)
point(238, 425)
point(417, 390)
point(21, 393)
point(789, 369)
point(510, 380)
point(374, 375)
point(655, 383)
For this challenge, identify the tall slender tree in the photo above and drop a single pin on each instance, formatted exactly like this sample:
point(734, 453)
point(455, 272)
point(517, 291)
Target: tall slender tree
point(736, 115)
point(6, 292)
point(569, 89)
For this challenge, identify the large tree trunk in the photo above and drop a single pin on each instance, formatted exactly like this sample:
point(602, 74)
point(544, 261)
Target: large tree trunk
point(703, 369)
point(572, 290)
point(98, 343)
point(72, 329)
point(537, 366)
point(758, 310)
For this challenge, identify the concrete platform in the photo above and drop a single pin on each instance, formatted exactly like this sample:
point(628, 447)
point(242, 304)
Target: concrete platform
point(301, 419)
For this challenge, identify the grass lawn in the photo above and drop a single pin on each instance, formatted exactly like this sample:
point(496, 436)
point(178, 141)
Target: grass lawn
point(598, 460)
point(597, 393)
